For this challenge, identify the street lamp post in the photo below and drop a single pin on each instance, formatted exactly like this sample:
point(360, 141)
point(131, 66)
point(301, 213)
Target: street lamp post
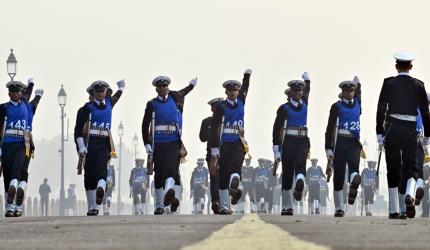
point(11, 65)
point(120, 134)
point(62, 98)
point(135, 143)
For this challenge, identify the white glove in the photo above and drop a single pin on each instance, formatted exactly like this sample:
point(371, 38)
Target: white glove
point(380, 139)
point(30, 80)
point(215, 152)
point(193, 82)
point(426, 141)
point(0, 152)
point(81, 145)
point(306, 76)
point(248, 72)
point(149, 149)
point(276, 152)
point(121, 85)
point(329, 154)
point(38, 92)
point(356, 80)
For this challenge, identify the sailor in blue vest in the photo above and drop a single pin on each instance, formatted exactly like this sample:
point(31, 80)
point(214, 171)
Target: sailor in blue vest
point(261, 185)
point(313, 176)
point(345, 116)
point(13, 121)
point(205, 131)
point(368, 175)
point(139, 184)
point(110, 187)
point(167, 108)
point(31, 110)
point(248, 183)
point(97, 150)
point(229, 147)
point(293, 149)
point(199, 186)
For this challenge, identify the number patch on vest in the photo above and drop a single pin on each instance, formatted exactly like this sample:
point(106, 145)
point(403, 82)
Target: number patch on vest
point(19, 125)
point(353, 126)
point(101, 126)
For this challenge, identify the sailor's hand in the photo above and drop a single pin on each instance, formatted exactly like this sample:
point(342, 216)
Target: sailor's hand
point(329, 154)
point(193, 82)
point(30, 80)
point(121, 85)
point(276, 153)
point(426, 141)
point(356, 80)
point(215, 152)
point(149, 149)
point(306, 76)
point(38, 92)
point(82, 149)
point(381, 139)
point(248, 72)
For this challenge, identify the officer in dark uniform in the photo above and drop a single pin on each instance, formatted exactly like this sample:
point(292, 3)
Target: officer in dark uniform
point(248, 183)
point(345, 119)
point(97, 150)
point(229, 147)
point(139, 184)
point(167, 110)
point(397, 106)
point(13, 122)
point(295, 145)
point(199, 186)
point(110, 187)
point(261, 184)
point(205, 131)
point(31, 110)
point(313, 175)
point(368, 175)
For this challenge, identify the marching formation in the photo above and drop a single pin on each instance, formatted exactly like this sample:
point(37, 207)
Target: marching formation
point(402, 129)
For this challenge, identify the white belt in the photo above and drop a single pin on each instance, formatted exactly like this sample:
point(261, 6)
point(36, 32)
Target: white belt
point(14, 132)
point(230, 131)
point(410, 118)
point(170, 128)
point(98, 132)
point(297, 132)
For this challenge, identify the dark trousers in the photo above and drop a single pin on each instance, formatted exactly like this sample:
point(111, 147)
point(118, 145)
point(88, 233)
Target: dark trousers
point(44, 206)
point(369, 194)
point(96, 164)
point(347, 151)
point(400, 151)
point(166, 163)
point(24, 170)
point(314, 194)
point(13, 157)
point(214, 184)
point(260, 192)
point(294, 154)
point(420, 163)
point(199, 193)
point(231, 159)
point(136, 192)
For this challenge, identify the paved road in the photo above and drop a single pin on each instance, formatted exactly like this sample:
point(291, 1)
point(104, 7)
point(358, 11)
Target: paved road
point(213, 232)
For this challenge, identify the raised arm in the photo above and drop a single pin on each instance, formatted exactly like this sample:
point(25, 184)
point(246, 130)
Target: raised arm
point(243, 92)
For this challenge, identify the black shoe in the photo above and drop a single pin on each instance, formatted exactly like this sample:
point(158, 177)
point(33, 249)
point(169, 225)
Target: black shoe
point(235, 192)
point(403, 216)
point(353, 189)
point(394, 216)
point(225, 211)
point(169, 196)
point(9, 213)
point(339, 213)
point(11, 192)
point(369, 214)
point(100, 193)
point(298, 190)
point(419, 196)
point(288, 212)
point(215, 207)
point(19, 196)
point(410, 206)
point(317, 211)
point(17, 213)
point(159, 211)
point(93, 212)
point(174, 205)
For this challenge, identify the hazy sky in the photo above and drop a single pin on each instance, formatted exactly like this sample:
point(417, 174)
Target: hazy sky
point(77, 42)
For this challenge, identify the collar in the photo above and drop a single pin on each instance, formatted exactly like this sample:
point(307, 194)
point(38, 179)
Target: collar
point(295, 103)
point(14, 103)
point(403, 74)
point(232, 102)
point(347, 101)
point(98, 102)
point(161, 98)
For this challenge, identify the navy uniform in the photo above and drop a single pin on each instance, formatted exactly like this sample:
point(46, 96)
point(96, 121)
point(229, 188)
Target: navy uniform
point(139, 184)
point(205, 131)
point(248, 183)
point(229, 147)
point(13, 120)
point(97, 149)
point(199, 186)
point(345, 119)
point(110, 187)
point(44, 191)
point(293, 149)
point(261, 184)
point(313, 176)
point(167, 110)
point(368, 176)
point(324, 191)
point(31, 110)
point(397, 109)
